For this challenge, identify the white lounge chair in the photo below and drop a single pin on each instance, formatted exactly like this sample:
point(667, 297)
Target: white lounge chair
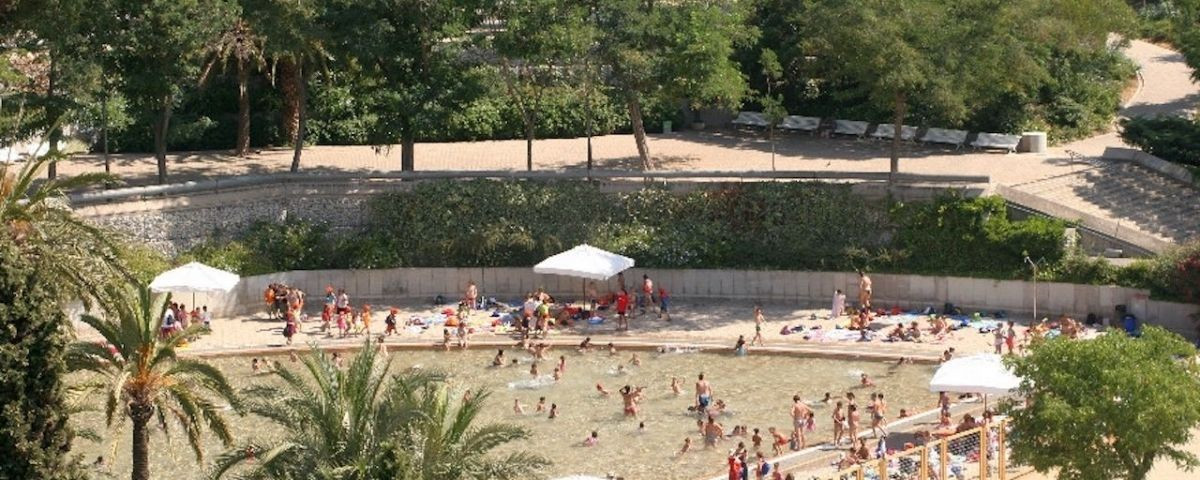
point(945, 136)
point(850, 127)
point(800, 124)
point(997, 141)
point(751, 119)
point(887, 131)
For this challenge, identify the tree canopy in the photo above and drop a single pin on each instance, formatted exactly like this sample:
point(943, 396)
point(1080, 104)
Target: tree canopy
point(1108, 407)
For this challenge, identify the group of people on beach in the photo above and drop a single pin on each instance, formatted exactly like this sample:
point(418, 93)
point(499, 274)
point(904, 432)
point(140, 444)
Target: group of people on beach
point(177, 318)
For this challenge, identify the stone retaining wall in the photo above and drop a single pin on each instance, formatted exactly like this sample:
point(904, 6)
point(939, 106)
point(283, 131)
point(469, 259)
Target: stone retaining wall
point(812, 289)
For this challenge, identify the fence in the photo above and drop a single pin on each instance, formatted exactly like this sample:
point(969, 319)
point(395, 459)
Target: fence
point(958, 456)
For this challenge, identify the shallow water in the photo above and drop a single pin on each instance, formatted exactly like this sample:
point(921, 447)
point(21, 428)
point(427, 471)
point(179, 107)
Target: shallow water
point(757, 389)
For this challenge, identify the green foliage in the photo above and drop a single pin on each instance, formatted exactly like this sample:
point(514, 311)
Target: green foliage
point(1108, 407)
point(364, 422)
point(34, 436)
point(142, 378)
point(972, 237)
point(793, 226)
point(1175, 139)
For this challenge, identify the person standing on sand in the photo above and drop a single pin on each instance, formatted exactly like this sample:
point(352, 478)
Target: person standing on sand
point(864, 290)
point(647, 293)
point(839, 304)
point(758, 324)
point(622, 308)
point(1010, 336)
point(664, 305)
point(471, 296)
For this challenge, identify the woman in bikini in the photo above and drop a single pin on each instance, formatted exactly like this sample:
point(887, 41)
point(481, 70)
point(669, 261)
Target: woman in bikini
point(852, 419)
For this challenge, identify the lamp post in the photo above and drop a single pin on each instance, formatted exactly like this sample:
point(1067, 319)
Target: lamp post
point(1035, 289)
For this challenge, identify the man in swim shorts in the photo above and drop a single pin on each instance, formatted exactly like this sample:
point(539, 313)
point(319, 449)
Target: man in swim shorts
point(703, 393)
point(712, 432)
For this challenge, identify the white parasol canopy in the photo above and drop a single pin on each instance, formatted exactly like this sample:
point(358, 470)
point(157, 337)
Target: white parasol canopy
point(984, 374)
point(195, 277)
point(585, 261)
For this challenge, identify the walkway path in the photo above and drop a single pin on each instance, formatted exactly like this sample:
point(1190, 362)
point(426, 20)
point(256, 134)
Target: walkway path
point(1167, 89)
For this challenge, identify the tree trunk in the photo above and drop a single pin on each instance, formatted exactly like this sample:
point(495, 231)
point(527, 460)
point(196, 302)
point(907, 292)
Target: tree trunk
point(302, 111)
point(291, 85)
point(528, 141)
point(104, 131)
point(141, 415)
point(639, 130)
point(243, 124)
point(901, 108)
point(53, 115)
point(407, 150)
point(160, 137)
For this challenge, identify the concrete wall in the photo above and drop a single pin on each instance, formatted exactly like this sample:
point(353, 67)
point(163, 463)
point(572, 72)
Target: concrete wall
point(780, 287)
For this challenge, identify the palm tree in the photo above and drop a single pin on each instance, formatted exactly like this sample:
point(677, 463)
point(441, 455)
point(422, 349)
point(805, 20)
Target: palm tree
point(362, 423)
point(242, 47)
point(139, 373)
point(37, 217)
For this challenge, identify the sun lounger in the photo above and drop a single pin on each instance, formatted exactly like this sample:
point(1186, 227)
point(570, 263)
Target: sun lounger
point(945, 136)
point(850, 127)
point(887, 131)
point(751, 119)
point(800, 124)
point(997, 141)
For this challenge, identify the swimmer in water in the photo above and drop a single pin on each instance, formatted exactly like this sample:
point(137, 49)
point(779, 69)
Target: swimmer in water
point(687, 445)
point(541, 405)
point(533, 370)
point(600, 388)
point(592, 440)
point(557, 374)
point(562, 363)
point(254, 365)
point(865, 381)
point(641, 427)
point(635, 360)
point(585, 345)
point(612, 350)
point(828, 398)
point(676, 388)
point(499, 360)
point(517, 407)
point(629, 397)
point(553, 411)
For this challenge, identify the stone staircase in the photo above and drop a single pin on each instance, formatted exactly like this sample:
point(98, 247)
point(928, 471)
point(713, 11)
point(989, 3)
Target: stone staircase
point(1125, 199)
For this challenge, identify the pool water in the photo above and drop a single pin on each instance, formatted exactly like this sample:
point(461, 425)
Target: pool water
point(757, 388)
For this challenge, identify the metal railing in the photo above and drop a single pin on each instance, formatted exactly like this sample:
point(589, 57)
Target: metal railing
point(981, 453)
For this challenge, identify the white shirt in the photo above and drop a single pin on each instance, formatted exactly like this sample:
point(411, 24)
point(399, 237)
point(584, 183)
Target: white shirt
point(206, 317)
point(168, 318)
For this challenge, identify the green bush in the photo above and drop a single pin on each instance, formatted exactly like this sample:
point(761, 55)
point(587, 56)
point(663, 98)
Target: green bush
point(785, 225)
point(1174, 139)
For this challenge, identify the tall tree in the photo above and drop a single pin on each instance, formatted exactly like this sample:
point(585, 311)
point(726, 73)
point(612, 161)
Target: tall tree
point(671, 51)
point(61, 42)
point(364, 423)
point(142, 378)
point(243, 47)
point(159, 46)
point(540, 43)
point(34, 436)
point(294, 43)
point(47, 257)
point(1108, 407)
point(413, 50)
point(772, 100)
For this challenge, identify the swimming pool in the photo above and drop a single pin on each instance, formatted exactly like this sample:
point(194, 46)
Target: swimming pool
point(757, 388)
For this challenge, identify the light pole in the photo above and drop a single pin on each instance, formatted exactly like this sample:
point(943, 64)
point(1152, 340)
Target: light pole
point(1035, 289)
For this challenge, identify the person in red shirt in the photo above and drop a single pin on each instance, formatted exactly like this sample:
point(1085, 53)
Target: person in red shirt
point(735, 467)
point(622, 307)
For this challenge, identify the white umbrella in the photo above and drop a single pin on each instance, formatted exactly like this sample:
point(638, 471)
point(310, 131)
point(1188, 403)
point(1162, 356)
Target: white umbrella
point(984, 374)
point(585, 261)
point(195, 277)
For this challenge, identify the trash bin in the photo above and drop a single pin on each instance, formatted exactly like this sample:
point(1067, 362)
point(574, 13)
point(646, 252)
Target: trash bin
point(666, 126)
point(1032, 142)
